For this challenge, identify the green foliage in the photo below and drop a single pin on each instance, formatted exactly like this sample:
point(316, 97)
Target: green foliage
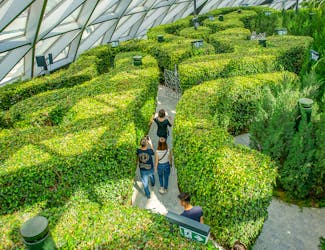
point(280, 130)
point(233, 184)
point(216, 25)
point(200, 33)
point(194, 72)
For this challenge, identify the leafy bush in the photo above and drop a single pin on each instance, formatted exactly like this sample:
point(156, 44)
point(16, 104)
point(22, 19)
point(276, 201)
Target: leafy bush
point(216, 25)
point(233, 184)
point(291, 141)
point(192, 73)
point(200, 33)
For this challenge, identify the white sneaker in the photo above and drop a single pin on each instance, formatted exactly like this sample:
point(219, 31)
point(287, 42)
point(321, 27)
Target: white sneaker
point(165, 190)
point(161, 190)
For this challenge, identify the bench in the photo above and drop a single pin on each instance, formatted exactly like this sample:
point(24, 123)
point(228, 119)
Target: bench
point(190, 228)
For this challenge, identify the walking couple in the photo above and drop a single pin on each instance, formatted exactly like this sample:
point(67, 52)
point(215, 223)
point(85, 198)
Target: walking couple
point(163, 156)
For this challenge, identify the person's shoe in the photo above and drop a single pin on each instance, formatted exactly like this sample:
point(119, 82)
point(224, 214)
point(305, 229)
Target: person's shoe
point(161, 190)
point(165, 190)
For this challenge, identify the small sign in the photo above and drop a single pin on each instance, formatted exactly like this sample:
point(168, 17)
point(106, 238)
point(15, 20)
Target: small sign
point(193, 235)
point(197, 43)
point(267, 13)
point(211, 18)
point(314, 55)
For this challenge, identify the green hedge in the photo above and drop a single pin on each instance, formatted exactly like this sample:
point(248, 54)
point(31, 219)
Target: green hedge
point(192, 73)
point(200, 33)
point(79, 174)
point(296, 146)
point(232, 183)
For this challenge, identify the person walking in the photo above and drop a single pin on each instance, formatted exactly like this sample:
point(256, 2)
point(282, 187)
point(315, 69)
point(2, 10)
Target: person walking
point(163, 162)
point(145, 163)
point(192, 212)
point(162, 122)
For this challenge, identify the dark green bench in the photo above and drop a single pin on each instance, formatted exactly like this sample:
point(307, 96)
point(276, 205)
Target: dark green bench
point(190, 228)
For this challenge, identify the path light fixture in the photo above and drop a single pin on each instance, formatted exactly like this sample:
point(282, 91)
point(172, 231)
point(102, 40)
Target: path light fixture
point(160, 38)
point(114, 44)
point(197, 43)
point(306, 106)
point(220, 17)
point(195, 22)
point(239, 11)
point(281, 31)
point(137, 60)
point(314, 55)
point(36, 234)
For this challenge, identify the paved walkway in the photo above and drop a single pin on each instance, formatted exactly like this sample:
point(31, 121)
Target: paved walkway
point(160, 203)
point(289, 227)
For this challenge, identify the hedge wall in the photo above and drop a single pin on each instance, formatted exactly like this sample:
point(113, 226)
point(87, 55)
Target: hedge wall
point(192, 73)
point(232, 183)
point(79, 172)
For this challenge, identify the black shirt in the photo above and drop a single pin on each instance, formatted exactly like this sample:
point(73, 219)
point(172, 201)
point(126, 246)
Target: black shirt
point(162, 130)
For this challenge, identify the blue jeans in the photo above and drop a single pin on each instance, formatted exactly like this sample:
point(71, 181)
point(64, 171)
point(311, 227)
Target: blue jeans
point(145, 175)
point(163, 174)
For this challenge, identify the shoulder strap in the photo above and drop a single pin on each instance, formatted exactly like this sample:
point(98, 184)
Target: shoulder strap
point(163, 155)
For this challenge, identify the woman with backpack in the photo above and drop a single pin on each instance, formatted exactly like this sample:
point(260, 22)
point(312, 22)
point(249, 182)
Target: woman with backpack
point(163, 163)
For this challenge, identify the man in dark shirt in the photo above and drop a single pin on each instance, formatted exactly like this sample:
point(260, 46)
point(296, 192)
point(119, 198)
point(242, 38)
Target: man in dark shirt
point(145, 163)
point(192, 212)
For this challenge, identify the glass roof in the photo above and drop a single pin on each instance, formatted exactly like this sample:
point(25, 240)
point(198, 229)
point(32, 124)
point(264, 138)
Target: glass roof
point(38, 27)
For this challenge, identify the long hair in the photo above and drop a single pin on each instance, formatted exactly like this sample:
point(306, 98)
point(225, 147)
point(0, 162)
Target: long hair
point(162, 145)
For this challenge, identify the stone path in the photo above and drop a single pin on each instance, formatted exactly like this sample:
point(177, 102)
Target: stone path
point(160, 203)
point(289, 227)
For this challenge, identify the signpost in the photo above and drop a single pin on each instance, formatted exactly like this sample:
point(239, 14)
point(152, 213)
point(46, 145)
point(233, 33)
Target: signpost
point(189, 228)
point(193, 235)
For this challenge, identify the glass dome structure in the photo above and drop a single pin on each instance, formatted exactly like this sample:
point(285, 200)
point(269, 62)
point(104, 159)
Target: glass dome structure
point(66, 28)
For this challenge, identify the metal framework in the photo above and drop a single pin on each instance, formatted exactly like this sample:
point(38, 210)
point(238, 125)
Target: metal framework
point(66, 28)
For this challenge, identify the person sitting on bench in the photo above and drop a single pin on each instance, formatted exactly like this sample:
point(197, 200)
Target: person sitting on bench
point(192, 212)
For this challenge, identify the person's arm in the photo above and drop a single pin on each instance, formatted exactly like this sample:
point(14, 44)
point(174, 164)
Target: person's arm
point(156, 159)
point(170, 158)
point(151, 120)
point(150, 144)
point(170, 120)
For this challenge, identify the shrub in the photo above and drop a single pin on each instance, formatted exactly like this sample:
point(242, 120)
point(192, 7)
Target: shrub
point(216, 25)
point(84, 69)
point(291, 141)
point(192, 73)
point(200, 33)
point(80, 174)
point(233, 184)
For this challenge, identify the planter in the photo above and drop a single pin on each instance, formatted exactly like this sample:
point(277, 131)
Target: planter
point(36, 235)
point(197, 43)
point(160, 38)
point(137, 60)
point(220, 17)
